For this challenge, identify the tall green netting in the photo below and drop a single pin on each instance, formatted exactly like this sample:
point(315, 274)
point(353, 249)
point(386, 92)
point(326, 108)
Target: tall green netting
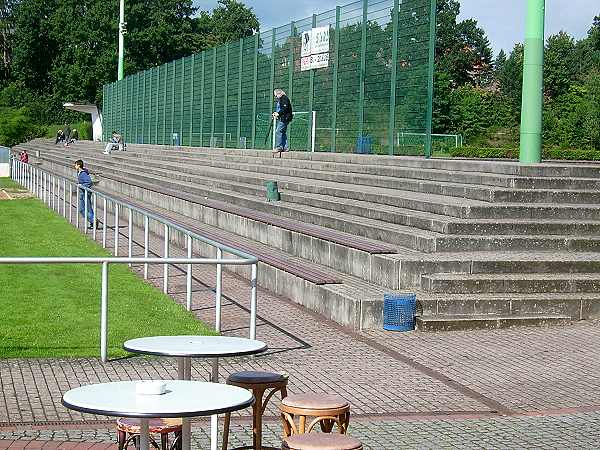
point(375, 95)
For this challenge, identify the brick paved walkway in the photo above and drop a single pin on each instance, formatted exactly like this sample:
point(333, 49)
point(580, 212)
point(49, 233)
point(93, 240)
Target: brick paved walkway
point(518, 388)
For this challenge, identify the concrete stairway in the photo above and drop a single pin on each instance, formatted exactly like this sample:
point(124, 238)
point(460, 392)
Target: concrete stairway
point(483, 243)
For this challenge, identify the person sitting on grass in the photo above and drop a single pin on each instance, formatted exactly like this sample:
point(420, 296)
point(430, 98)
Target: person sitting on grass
point(85, 181)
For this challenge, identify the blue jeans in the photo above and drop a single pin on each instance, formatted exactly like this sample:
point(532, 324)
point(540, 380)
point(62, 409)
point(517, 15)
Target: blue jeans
point(89, 206)
point(281, 135)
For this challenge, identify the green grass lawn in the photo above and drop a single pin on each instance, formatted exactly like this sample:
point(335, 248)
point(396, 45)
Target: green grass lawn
point(54, 310)
point(7, 183)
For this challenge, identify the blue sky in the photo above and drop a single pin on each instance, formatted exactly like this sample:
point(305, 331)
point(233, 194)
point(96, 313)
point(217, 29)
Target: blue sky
point(503, 20)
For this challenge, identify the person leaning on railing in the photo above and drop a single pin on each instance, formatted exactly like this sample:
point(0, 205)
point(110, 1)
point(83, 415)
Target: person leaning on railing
point(84, 180)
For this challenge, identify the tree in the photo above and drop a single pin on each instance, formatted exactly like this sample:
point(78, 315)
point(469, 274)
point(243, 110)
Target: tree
point(560, 64)
point(462, 49)
point(231, 20)
point(6, 35)
point(510, 77)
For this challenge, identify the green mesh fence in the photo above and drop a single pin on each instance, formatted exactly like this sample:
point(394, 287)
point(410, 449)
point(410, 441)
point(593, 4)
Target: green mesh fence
point(375, 95)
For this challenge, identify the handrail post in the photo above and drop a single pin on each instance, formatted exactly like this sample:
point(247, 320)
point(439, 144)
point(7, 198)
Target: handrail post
point(85, 210)
point(189, 275)
point(70, 202)
point(146, 239)
point(104, 313)
point(54, 181)
point(95, 208)
point(130, 234)
point(77, 207)
point(253, 296)
point(166, 266)
point(218, 291)
point(116, 228)
point(104, 222)
point(64, 183)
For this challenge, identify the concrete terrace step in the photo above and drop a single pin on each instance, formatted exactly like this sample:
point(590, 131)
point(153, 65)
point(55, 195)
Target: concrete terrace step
point(342, 298)
point(411, 201)
point(455, 283)
point(464, 185)
point(469, 322)
point(578, 306)
point(571, 169)
point(393, 234)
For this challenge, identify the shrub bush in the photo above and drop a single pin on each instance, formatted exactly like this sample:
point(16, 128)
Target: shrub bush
point(513, 153)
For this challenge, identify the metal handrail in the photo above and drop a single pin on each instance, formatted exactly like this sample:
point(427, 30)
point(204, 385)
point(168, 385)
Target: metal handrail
point(47, 187)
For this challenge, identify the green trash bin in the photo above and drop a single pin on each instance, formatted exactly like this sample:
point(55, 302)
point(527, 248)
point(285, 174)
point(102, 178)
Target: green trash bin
point(272, 192)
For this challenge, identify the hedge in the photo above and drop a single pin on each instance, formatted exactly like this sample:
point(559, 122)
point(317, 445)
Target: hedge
point(512, 153)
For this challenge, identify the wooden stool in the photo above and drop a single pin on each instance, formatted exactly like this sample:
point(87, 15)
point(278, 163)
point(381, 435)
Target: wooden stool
point(258, 383)
point(129, 430)
point(321, 441)
point(326, 409)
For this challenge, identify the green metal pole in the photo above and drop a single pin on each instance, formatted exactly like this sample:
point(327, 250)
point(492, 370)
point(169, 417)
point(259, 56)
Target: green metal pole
point(311, 96)
point(144, 109)
point(272, 68)
point(290, 92)
point(202, 101)
point(192, 100)
point(429, 118)
point(239, 110)
point(122, 32)
point(156, 105)
point(226, 95)
point(254, 88)
point(533, 84)
point(181, 107)
point(336, 63)
point(214, 89)
point(164, 133)
point(363, 66)
point(173, 102)
point(392, 123)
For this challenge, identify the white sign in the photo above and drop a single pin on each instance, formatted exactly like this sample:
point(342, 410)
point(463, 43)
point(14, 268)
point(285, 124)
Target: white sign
point(315, 49)
point(319, 40)
point(306, 43)
point(319, 61)
point(305, 63)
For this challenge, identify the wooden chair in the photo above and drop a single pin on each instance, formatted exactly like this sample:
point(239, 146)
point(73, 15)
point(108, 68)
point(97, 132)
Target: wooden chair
point(258, 383)
point(321, 441)
point(128, 430)
point(326, 410)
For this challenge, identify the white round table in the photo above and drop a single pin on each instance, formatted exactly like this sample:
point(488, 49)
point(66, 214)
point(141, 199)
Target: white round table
point(187, 347)
point(182, 398)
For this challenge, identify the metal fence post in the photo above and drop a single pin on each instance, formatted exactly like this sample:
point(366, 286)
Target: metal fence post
point(363, 65)
point(430, 71)
point(393, 75)
point(226, 95)
point(104, 314)
point(64, 198)
point(104, 225)
point(336, 69)
point(239, 111)
point(189, 275)
point(214, 88)
point(218, 291)
point(95, 208)
point(254, 88)
point(253, 295)
point(130, 234)
point(70, 202)
point(202, 83)
point(85, 209)
point(311, 96)
point(146, 239)
point(192, 75)
point(116, 229)
point(77, 208)
point(166, 266)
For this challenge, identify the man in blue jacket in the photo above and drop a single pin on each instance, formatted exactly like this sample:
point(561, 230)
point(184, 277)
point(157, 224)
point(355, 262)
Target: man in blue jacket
point(84, 180)
point(284, 115)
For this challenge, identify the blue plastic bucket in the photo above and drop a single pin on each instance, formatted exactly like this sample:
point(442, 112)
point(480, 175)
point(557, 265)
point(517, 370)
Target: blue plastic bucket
point(399, 312)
